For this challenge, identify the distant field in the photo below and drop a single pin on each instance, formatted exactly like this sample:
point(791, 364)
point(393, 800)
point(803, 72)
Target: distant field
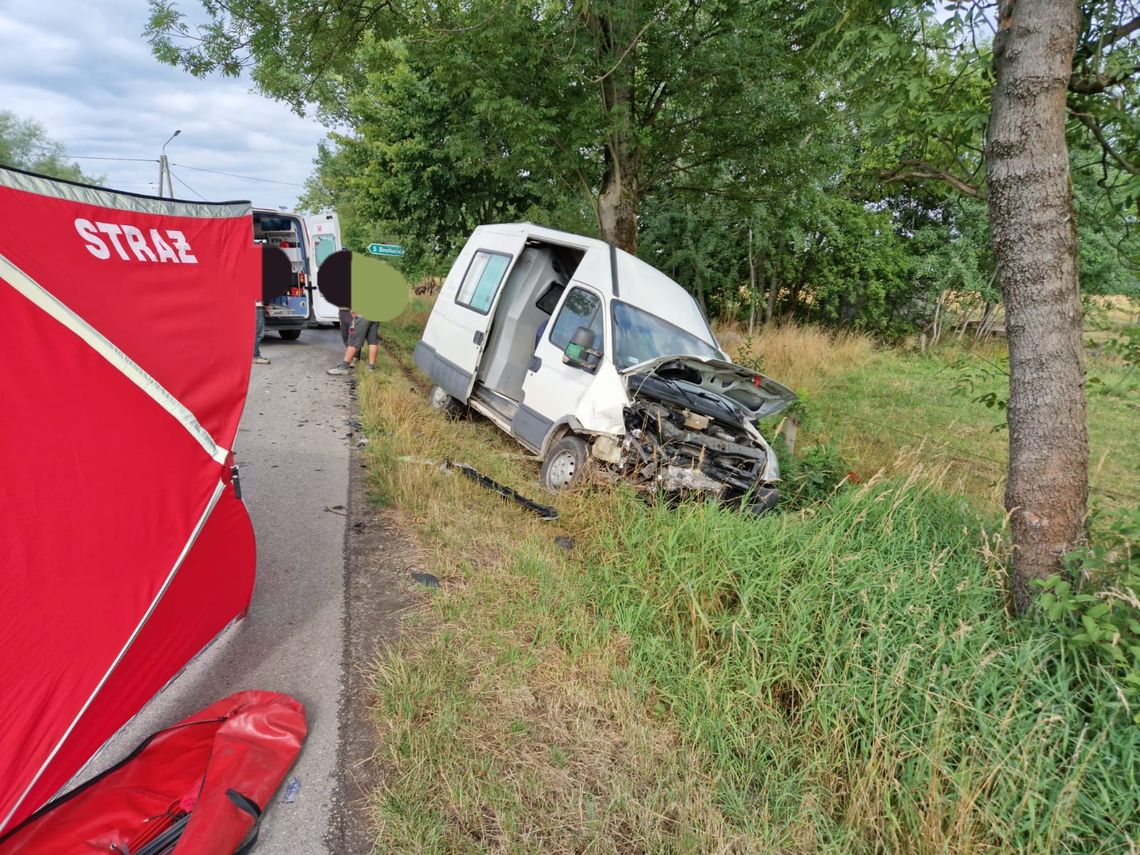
point(886, 408)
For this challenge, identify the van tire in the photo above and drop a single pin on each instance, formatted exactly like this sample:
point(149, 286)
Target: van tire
point(567, 463)
point(289, 335)
point(449, 406)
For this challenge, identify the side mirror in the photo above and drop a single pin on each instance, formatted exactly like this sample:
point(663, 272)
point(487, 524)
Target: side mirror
point(580, 351)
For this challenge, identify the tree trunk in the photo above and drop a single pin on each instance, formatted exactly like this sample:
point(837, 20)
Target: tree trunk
point(773, 288)
point(751, 285)
point(1035, 243)
point(617, 202)
point(619, 193)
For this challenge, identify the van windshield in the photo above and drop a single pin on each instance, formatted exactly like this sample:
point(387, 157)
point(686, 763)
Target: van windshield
point(640, 336)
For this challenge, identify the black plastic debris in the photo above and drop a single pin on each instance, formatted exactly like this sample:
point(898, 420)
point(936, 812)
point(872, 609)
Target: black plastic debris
point(426, 579)
point(543, 511)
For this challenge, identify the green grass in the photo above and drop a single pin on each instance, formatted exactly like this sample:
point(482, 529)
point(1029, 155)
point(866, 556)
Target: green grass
point(897, 401)
point(854, 680)
point(839, 679)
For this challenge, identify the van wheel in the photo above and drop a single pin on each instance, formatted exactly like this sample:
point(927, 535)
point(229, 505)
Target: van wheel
point(449, 406)
point(567, 463)
point(289, 335)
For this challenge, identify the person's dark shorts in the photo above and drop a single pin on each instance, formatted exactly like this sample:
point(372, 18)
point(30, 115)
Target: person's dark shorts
point(364, 330)
point(345, 322)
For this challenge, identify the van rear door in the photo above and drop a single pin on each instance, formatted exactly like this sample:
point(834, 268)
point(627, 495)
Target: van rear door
point(324, 240)
point(456, 332)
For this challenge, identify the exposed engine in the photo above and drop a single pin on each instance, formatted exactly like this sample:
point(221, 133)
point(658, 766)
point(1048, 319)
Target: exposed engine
point(684, 438)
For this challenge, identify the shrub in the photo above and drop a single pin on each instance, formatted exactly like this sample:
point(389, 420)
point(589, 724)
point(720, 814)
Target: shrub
point(1098, 614)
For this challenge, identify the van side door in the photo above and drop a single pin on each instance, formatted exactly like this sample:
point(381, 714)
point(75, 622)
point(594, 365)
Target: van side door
point(553, 389)
point(456, 332)
point(324, 240)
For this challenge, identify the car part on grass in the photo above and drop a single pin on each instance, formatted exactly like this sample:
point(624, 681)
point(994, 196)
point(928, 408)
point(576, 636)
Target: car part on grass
point(544, 511)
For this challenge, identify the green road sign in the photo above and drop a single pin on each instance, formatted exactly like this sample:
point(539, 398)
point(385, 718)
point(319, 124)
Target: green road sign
point(385, 249)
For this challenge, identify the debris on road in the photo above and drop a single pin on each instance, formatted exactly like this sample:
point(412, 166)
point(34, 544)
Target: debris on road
point(291, 790)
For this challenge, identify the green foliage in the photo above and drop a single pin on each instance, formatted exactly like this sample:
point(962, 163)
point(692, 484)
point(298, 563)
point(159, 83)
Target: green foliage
point(854, 201)
point(812, 476)
point(1098, 614)
point(985, 382)
point(1126, 346)
point(24, 143)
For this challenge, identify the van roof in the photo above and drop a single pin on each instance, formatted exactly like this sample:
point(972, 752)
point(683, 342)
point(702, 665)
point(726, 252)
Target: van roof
point(638, 283)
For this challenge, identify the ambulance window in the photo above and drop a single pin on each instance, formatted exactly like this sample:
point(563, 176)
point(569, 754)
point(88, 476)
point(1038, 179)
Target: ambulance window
point(581, 309)
point(326, 246)
point(484, 276)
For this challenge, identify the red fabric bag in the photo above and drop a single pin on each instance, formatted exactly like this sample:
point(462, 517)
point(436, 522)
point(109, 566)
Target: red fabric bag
point(203, 783)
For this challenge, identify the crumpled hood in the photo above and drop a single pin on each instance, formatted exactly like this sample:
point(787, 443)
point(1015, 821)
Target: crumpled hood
point(757, 395)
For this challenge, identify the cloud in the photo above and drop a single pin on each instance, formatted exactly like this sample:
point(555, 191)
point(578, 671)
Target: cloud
point(84, 71)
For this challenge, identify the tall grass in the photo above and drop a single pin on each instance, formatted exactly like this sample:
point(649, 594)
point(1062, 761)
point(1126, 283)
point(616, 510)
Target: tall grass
point(857, 684)
point(800, 356)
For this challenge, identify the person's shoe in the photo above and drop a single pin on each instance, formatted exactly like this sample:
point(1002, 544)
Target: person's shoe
point(340, 369)
point(371, 366)
point(260, 360)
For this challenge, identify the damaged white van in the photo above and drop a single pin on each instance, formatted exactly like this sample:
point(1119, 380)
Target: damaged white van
point(591, 358)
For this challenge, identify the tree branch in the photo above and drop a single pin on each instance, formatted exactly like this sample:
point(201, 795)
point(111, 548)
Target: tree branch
point(1122, 32)
point(917, 169)
point(1090, 122)
point(1096, 85)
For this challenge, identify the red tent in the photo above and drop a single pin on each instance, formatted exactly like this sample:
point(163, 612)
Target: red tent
point(128, 334)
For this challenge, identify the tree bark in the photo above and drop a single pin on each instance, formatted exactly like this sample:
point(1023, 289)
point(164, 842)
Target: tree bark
point(618, 198)
point(1034, 237)
point(751, 285)
point(619, 193)
point(773, 289)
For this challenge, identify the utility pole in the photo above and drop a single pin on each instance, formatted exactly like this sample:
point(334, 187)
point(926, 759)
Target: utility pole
point(164, 170)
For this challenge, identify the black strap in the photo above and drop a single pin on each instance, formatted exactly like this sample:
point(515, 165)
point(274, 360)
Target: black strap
point(248, 805)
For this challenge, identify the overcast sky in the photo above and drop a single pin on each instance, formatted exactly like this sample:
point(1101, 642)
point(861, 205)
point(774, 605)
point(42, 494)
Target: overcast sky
point(83, 70)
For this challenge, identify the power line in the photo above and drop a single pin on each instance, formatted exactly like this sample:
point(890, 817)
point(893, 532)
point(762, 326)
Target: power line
point(188, 187)
point(186, 166)
point(130, 159)
point(235, 175)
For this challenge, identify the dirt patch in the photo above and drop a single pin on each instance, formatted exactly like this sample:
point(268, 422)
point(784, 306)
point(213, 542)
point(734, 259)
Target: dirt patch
point(378, 565)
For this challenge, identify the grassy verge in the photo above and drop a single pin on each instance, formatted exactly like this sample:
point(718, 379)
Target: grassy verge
point(842, 679)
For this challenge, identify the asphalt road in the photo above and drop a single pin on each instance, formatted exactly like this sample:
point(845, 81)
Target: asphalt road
point(293, 455)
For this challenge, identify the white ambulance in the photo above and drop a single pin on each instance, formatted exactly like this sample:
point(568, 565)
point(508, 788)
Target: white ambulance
point(307, 240)
point(591, 358)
